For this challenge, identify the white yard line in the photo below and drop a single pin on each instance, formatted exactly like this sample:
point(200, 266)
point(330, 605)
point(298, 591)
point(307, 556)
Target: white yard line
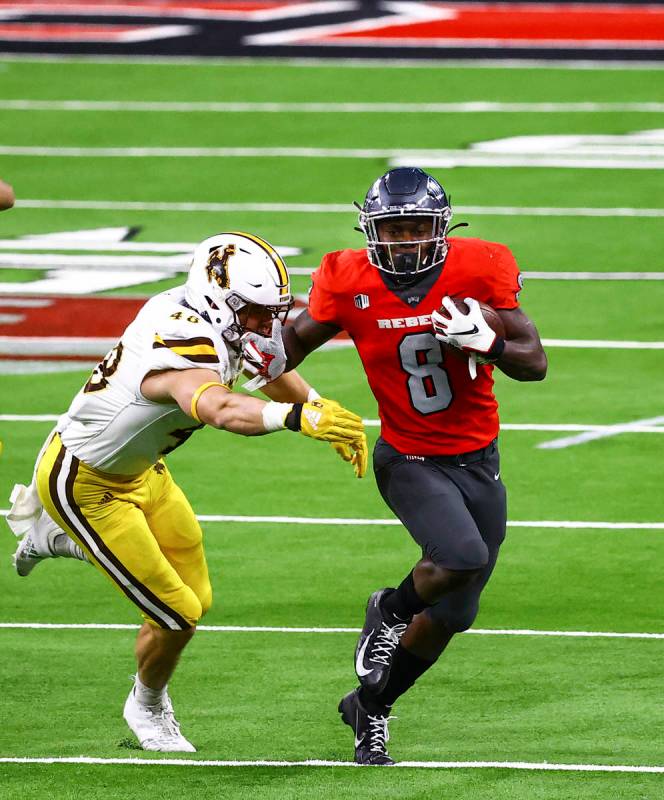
point(604, 433)
point(468, 107)
point(533, 766)
point(335, 208)
point(72, 345)
point(375, 423)
point(317, 630)
point(606, 158)
point(362, 521)
point(602, 344)
point(594, 276)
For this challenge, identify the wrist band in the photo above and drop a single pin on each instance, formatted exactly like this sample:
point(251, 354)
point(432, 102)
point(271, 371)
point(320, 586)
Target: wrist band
point(293, 419)
point(312, 395)
point(274, 415)
point(497, 349)
point(197, 395)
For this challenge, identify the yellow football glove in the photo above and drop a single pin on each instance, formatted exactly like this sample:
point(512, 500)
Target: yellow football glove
point(328, 421)
point(357, 453)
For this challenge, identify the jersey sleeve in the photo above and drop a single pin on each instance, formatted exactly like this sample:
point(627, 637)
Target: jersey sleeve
point(179, 344)
point(322, 297)
point(506, 277)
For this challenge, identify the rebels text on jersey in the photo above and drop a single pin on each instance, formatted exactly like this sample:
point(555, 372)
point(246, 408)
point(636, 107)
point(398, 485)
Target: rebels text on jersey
point(427, 402)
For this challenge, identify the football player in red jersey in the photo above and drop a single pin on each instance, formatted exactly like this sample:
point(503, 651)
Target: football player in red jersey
point(436, 461)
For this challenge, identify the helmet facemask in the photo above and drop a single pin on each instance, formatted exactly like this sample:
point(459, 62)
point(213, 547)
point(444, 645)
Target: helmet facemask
point(422, 254)
point(249, 316)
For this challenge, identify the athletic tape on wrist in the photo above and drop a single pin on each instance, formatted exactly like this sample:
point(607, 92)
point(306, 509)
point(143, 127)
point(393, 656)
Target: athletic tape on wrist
point(274, 415)
point(496, 350)
point(197, 396)
point(312, 395)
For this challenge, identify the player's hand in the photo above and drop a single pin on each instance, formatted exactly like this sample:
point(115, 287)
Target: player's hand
point(326, 420)
point(357, 453)
point(469, 332)
point(264, 358)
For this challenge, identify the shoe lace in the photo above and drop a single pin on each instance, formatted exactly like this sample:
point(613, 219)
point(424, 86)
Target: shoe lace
point(29, 550)
point(386, 642)
point(164, 718)
point(378, 734)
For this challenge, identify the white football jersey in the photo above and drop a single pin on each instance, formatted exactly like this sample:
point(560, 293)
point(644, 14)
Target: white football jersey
point(110, 425)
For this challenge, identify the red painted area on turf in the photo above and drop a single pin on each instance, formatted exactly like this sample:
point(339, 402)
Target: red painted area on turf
point(519, 23)
point(82, 317)
point(75, 318)
point(148, 8)
point(31, 32)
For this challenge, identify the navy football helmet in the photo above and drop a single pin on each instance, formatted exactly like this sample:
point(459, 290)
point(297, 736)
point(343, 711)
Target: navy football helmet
point(406, 192)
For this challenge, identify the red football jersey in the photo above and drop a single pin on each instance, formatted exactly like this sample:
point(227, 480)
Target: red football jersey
point(427, 402)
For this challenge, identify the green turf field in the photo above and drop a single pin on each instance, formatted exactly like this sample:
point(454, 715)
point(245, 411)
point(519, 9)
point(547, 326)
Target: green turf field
point(250, 695)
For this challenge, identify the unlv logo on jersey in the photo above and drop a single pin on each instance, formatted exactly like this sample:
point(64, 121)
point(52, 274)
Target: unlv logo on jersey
point(217, 266)
point(361, 301)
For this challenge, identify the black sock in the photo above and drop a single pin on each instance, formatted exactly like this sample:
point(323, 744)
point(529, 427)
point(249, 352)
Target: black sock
point(405, 670)
point(404, 602)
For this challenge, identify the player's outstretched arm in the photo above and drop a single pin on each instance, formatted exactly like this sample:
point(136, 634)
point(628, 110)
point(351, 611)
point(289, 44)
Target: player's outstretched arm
point(523, 358)
point(7, 197)
point(289, 388)
point(199, 394)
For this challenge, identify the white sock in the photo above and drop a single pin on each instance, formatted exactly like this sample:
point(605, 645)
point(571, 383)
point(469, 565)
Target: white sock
point(147, 696)
point(64, 546)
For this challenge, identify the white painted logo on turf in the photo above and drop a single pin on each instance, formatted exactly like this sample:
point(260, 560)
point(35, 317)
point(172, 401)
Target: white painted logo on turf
point(102, 259)
point(636, 150)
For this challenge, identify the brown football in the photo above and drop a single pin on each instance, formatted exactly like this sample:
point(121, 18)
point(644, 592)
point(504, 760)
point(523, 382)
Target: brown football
point(490, 314)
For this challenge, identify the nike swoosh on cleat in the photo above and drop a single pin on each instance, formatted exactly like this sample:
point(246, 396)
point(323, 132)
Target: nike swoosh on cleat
point(359, 661)
point(474, 329)
point(359, 741)
point(496, 475)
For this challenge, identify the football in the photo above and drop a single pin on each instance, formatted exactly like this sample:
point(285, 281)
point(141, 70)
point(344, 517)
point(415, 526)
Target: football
point(490, 314)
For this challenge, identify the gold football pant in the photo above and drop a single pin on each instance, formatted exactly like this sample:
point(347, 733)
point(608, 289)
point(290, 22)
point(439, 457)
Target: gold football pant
point(140, 531)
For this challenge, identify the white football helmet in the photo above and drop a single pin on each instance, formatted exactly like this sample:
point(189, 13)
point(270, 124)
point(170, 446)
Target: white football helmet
point(232, 270)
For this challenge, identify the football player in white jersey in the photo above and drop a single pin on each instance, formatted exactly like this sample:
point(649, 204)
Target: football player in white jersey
point(101, 490)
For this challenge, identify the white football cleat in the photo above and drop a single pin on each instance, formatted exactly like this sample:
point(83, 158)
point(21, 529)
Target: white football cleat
point(36, 545)
point(155, 727)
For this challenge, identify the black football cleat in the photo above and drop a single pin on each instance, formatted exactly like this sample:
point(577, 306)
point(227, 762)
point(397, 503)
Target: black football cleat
point(378, 641)
point(371, 734)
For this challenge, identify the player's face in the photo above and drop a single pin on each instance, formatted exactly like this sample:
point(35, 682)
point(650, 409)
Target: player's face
point(406, 243)
point(404, 231)
point(256, 318)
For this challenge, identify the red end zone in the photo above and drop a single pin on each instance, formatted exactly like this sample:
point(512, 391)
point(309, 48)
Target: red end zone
point(63, 328)
point(512, 25)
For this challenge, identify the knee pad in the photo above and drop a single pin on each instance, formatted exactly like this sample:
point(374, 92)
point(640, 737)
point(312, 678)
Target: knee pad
point(463, 555)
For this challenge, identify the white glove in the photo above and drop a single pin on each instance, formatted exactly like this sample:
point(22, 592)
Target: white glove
point(264, 358)
point(469, 332)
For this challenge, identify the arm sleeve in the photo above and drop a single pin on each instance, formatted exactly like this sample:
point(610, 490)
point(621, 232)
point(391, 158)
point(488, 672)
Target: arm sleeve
point(322, 298)
point(184, 346)
point(506, 278)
